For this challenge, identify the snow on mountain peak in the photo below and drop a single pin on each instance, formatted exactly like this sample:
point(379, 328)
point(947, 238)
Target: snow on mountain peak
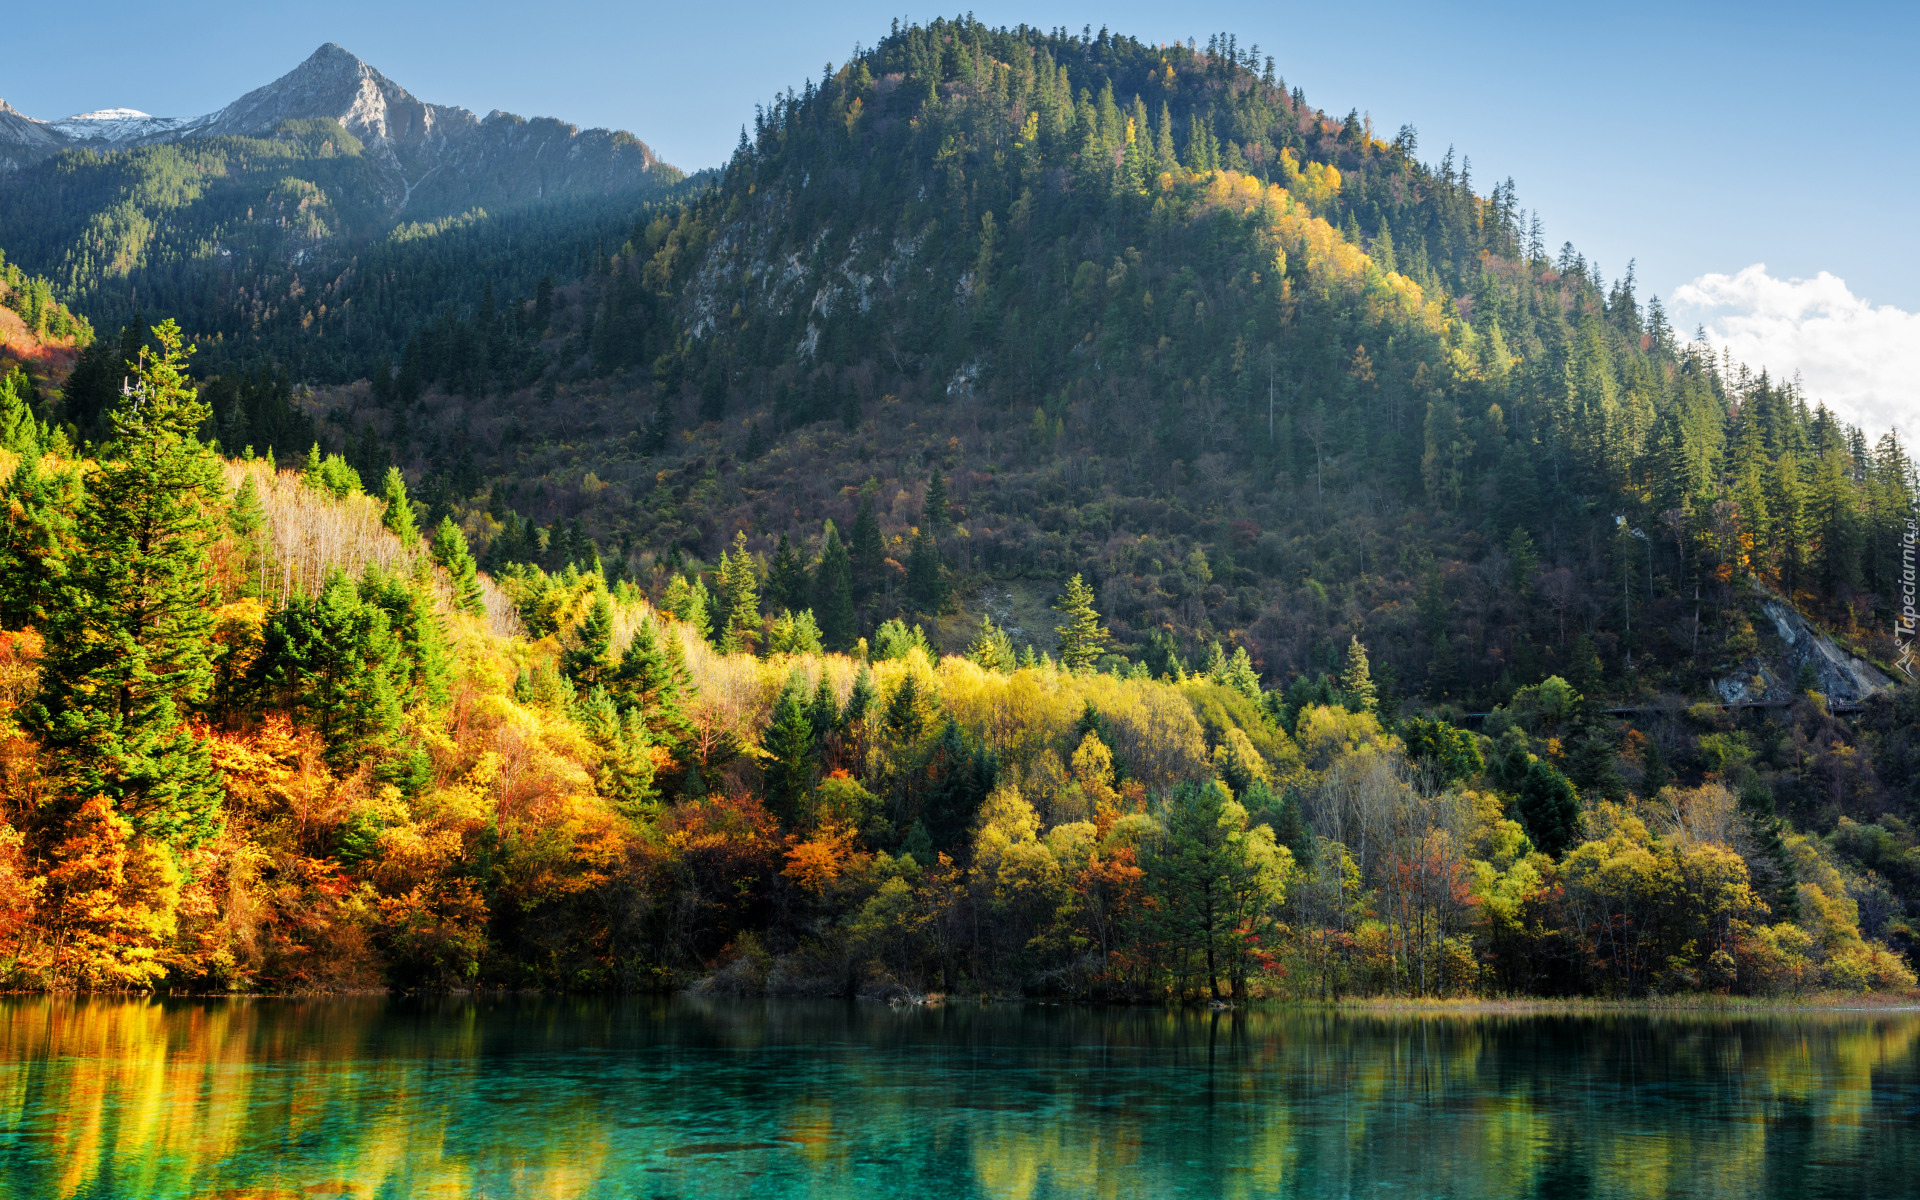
point(114, 125)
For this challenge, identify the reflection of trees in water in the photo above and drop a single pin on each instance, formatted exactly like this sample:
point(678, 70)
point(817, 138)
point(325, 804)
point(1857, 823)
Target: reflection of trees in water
point(558, 1097)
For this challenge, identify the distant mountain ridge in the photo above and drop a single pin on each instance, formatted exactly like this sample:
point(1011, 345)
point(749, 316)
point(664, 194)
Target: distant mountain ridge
point(406, 137)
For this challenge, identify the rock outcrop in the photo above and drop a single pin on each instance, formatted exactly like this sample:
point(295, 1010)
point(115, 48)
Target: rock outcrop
point(420, 149)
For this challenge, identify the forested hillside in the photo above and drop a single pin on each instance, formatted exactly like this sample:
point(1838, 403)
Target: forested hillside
point(1426, 612)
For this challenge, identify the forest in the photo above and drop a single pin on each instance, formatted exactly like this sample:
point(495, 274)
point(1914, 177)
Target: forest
point(1053, 515)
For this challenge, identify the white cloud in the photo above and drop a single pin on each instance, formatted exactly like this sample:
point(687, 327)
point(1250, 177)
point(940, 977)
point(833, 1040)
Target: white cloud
point(1862, 360)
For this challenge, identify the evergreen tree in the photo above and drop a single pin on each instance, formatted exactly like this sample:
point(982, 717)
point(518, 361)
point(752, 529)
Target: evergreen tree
point(833, 593)
point(128, 646)
point(38, 547)
point(1082, 637)
point(687, 602)
point(335, 661)
point(399, 512)
point(936, 517)
point(653, 677)
point(787, 578)
point(449, 549)
point(1356, 679)
point(1214, 883)
point(926, 578)
point(588, 660)
point(992, 649)
point(1549, 808)
point(789, 758)
point(961, 773)
point(866, 553)
point(739, 600)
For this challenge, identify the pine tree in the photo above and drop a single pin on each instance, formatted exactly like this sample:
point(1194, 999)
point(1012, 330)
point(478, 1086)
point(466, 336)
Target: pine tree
point(687, 602)
point(790, 757)
point(992, 649)
point(1240, 675)
point(937, 518)
point(37, 542)
point(1549, 807)
point(129, 647)
point(1356, 679)
point(449, 549)
point(588, 661)
point(756, 447)
point(399, 513)
point(787, 578)
point(926, 578)
point(334, 660)
point(865, 550)
point(1082, 637)
point(739, 615)
point(833, 593)
point(653, 677)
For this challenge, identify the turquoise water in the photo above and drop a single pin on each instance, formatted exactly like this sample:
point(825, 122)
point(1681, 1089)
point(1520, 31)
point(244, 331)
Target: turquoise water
point(301, 1100)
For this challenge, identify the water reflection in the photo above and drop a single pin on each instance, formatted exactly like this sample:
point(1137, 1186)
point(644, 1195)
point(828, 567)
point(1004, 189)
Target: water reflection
point(564, 1098)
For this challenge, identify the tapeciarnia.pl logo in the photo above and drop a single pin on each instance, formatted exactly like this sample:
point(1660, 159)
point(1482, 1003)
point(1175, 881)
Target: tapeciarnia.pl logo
point(1903, 624)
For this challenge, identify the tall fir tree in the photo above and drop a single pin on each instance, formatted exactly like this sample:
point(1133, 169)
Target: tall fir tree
point(833, 593)
point(129, 651)
point(450, 551)
point(866, 552)
point(1082, 638)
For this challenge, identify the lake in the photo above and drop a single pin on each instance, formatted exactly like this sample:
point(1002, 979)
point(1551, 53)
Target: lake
point(544, 1097)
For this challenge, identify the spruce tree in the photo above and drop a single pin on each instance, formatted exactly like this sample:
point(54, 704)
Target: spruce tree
point(1549, 808)
point(335, 661)
point(790, 757)
point(833, 593)
point(992, 649)
point(1082, 637)
point(787, 578)
point(588, 660)
point(449, 549)
point(937, 518)
point(739, 615)
point(653, 676)
point(129, 646)
point(37, 542)
point(399, 514)
point(1356, 679)
point(926, 578)
point(866, 552)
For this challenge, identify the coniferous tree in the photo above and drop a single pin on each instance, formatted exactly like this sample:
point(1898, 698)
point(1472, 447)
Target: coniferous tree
point(787, 578)
point(738, 619)
point(334, 659)
point(588, 660)
point(865, 551)
point(1356, 679)
point(1082, 637)
point(653, 676)
point(937, 518)
point(790, 755)
point(992, 649)
point(399, 512)
point(1549, 808)
point(833, 593)
point(926, 577)
point(687, 602)
point(38, 546)
point(449, 549)
point(128, 646)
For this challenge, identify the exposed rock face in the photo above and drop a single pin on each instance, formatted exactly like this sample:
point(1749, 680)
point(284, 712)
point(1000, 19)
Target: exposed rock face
point(502, 159)
point(1841, 678)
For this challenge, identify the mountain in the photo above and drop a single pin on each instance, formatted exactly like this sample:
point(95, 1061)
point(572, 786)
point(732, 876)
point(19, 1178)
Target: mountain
point(409, 138)
point(227, 220)
point(1255, 475)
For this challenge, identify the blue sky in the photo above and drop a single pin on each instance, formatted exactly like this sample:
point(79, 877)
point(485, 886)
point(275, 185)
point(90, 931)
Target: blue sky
point(1700, 139)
